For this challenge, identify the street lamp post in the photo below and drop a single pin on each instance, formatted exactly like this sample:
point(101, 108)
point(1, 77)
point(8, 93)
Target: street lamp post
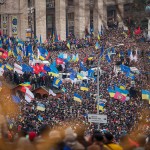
point(147, 10)
point(98, 76)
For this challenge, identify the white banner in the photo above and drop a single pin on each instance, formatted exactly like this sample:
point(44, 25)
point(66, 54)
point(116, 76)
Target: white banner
point(18, 68)
point(95, 118)
point(29, 95)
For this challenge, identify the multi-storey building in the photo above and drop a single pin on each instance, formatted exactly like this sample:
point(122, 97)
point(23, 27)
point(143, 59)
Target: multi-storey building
point(47, 17)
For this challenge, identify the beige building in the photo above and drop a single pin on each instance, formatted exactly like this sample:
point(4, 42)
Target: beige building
point(61, 17)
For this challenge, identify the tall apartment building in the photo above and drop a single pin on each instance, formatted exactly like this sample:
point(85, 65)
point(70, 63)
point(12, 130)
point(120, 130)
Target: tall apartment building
point(45, 17)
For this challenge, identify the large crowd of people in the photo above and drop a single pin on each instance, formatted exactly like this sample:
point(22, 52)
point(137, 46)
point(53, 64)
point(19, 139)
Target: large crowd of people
point(128, 122)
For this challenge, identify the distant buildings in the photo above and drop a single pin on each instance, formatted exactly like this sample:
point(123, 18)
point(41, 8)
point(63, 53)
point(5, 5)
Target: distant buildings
point(48, 17)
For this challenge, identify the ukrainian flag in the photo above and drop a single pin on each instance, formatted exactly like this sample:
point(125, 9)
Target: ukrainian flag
point(54, 74)
point(9, 67)
point(80, 76)
point(101, 106)
point(40, 107)
point(77, 98)
point(97, 46)
point(40, 118)
point(111, 92)
point(83, 88)
point(123, 92)
point(146, 94)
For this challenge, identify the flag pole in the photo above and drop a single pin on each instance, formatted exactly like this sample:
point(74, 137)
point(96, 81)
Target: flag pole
point(98, 76)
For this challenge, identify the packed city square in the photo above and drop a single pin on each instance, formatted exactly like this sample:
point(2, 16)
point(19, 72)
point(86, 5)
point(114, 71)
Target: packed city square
point(52, 122)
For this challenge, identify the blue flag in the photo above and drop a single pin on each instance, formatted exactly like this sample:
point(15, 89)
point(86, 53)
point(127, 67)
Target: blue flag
point(16, 99)
point(91, 73)
point(57, 82)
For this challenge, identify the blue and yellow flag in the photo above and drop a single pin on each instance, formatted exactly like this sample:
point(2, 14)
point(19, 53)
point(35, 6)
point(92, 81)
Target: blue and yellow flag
point(80, 76)
point(101, 106)
point(97, 46)
point(53, 74)
point(146, 94)
point(57, 82)
point(84, 88)
point(123, 92)
point(9, 67)
point(111, 92)
point(77, 98)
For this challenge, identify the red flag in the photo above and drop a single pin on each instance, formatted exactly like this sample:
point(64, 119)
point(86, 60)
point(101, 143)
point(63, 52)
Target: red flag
point(59, 61)
point(58, 37)
point(41, 68)
point(137, 31)
point(36, 69)
point(5, 55)
point(120, 97)
point(85, 59)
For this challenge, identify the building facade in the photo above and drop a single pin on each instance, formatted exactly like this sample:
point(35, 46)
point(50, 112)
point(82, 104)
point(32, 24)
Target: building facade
point(61, 17)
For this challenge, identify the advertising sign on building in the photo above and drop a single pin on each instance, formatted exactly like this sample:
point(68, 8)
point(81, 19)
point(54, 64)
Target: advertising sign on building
point(95, 118)
point(14, 25)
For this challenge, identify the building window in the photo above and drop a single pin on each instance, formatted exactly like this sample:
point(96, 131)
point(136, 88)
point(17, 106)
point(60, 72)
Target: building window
point(91, 20)
point(31, 3)
point(70, 2)
point(50, 25)
point(127, 8)
point(50, 3)
point(111, 15)
point(70, 19)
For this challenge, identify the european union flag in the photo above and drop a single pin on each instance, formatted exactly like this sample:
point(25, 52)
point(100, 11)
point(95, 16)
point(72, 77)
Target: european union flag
point(83, 67)
point(72, 76)
point(46, 68)
point(91, 73)
point(26, 68)
point(130, 75)
point(29, 50)
point(43, 51)
point(125, 68)
point(57, 82)
point(108, 58)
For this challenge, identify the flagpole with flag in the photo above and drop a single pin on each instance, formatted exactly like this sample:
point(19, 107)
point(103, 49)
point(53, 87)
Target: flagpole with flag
point(98, 76)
